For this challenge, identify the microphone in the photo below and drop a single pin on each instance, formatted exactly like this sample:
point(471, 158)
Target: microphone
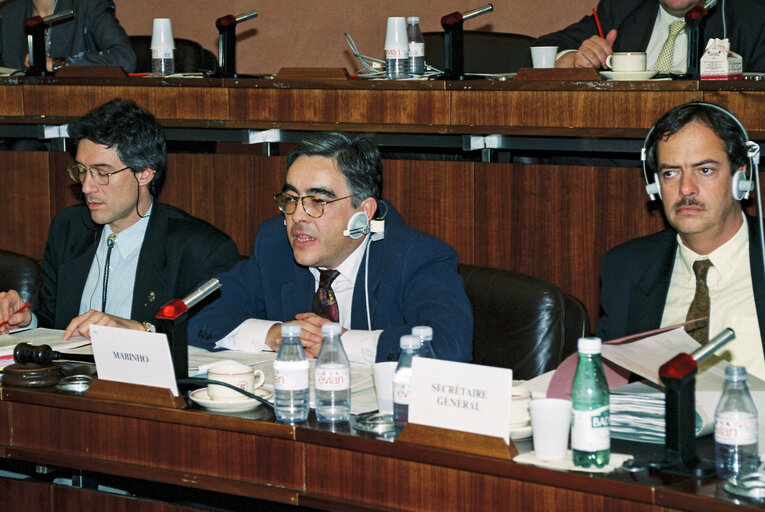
point(226, 26)
point(454, 46)
point(34, 29)
point(693, 21)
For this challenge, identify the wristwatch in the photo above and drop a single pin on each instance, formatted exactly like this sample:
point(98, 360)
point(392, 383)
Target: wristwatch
point(149, 327)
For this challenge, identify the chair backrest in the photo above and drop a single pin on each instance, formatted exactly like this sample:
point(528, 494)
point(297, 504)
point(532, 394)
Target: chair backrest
point(485, 52)
point(20, 273)
point(521, 322)
point(190, 56)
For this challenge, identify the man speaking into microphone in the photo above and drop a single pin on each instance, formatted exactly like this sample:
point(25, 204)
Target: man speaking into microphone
point(324, 259)
point(118, 256)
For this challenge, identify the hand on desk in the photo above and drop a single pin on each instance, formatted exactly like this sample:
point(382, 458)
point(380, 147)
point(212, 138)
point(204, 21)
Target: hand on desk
point(310, 333)
point(591, 54)
point(80, 325)
point(10, 303)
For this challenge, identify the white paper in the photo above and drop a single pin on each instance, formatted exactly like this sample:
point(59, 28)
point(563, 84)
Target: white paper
point(134, 357)
point(461, 396)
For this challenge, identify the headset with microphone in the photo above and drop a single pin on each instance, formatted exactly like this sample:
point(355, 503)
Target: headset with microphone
point(741, 184)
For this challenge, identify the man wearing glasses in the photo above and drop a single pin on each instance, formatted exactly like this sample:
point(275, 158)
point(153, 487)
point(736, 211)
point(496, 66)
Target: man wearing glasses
point(319, 262)
point(120, 255)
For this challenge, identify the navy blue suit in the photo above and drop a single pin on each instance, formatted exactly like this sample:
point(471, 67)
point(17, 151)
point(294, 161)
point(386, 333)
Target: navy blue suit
point(413, 280)
point(634, 20)
point(635, 281)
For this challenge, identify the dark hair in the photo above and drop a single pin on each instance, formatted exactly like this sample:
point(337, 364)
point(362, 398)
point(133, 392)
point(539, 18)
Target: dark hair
point(720, 121)
point(358, 159)
point(135, 132)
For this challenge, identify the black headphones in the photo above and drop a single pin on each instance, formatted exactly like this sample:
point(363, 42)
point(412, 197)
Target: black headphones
point(741, 184)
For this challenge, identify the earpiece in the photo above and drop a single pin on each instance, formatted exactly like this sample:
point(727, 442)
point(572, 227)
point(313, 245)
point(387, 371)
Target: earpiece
point(741, 185)
point(358, 225)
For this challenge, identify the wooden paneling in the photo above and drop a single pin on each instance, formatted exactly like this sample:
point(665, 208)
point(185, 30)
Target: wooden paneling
point(11, 101)
point(590, 109)
point(25, 202)
point(163, 102)
point(67, 499)
point(21, 495)
point(747, 106)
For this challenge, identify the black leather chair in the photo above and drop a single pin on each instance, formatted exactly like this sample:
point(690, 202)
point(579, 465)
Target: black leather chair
point(190, 56)
point(521, 322)
point(485, 52)
point(20, 273)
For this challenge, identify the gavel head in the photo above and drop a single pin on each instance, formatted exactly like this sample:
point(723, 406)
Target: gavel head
point(41, 355)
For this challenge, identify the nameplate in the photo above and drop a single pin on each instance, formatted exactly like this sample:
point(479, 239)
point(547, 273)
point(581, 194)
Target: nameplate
point(461, 396)
point(135, 357)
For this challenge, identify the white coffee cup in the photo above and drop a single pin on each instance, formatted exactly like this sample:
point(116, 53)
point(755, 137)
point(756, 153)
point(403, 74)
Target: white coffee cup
point(626, 62)
point(519, 408)
point(550, 423)
point(383, 373)
point(239, 375)
point(543, 56)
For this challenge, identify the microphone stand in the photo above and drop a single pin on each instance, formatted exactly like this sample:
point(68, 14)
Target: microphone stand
point(226, 26)
point(454, 44)
point(693, 21)
point(34, 29)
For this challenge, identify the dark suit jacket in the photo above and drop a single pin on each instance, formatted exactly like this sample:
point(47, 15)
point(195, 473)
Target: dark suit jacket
point(93, 38)
point(413, 280)
point(178, 252)
point(634, 19)
point(635, 281)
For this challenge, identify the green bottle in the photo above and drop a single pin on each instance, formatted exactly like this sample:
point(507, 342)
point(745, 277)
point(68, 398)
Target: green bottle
point(590, 431)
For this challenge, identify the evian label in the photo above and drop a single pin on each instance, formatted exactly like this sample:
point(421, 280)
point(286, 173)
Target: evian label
point(291, 375)
point(735, 428)
point(333, 378)
point(590, 430)
point(401, 380)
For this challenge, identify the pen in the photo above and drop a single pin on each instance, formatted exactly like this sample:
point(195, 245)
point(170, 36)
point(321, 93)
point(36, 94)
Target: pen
point(22, 308)
point(597, 22)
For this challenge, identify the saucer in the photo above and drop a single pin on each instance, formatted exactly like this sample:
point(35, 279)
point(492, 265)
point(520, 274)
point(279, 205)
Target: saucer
point(628, 75)
point(200, 397)
point(521, 433)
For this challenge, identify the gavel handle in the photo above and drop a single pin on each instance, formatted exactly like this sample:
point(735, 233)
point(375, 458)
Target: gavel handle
point(43, 355)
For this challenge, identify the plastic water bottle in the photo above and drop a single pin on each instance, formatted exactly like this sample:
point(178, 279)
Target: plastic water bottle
point(291, 384)
point(396, 49)
point(590, 430)
point(402, 378)
point(332, 378)
point(416, 46)
point(162, 62)
point(736, 450)
point(425, 333)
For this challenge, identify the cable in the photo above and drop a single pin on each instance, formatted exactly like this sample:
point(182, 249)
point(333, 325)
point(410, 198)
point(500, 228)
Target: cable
point(196, 380)
point(375, 72)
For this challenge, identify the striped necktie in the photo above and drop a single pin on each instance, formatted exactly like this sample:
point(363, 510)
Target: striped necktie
point(324, 302)
point(666, 56)
point(700, 306)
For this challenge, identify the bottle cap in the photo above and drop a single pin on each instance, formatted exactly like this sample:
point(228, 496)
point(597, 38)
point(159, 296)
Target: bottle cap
point(290, 330)
point(735, 373)
point(331, 329)
point(410, 341)
point(413, 19)
point(589, 345)
point(423, 332)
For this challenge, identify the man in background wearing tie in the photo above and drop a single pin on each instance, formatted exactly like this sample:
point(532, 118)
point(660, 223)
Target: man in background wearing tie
point(657, 27)
point(120, 255)
point(319, 262)
point(710, 263)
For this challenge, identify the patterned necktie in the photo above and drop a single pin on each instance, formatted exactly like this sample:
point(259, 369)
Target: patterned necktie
point(700, 306)
point(666, 56)
point(324, 302)
point(109, 246)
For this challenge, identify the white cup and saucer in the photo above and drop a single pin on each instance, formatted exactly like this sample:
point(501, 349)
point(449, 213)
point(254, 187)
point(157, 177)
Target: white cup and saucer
point(627, 66)
point(219, 398)
point(520, 419)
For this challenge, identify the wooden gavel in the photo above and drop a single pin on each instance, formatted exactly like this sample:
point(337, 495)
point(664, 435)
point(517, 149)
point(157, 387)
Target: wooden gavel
point(43, 355)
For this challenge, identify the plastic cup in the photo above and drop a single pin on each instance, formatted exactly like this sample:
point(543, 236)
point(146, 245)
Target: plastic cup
point(543, 56)
point(550, 423)
point(383, 373)
point(162, 35)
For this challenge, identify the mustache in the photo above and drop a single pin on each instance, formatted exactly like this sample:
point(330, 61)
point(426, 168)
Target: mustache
point(688, 201)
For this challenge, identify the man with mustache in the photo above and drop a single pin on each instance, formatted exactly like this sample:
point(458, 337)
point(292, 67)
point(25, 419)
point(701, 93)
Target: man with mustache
point(646, 25)
point(319, 262)
point(121, 254)
point(709, 264)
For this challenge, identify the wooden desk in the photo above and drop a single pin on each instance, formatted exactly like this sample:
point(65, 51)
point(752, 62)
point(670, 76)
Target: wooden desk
point(551, 221)
point(248, 457)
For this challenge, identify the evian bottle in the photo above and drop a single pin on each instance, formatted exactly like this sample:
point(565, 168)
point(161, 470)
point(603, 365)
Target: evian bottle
point(332, 378)
point(291, 383)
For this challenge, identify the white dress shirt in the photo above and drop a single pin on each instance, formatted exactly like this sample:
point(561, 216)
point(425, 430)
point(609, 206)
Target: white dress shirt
point(731, 297)
point(659, 36)
point(360, 345)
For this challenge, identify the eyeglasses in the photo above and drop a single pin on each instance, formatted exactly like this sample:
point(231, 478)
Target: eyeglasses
point(77, 173)
point(312, 205)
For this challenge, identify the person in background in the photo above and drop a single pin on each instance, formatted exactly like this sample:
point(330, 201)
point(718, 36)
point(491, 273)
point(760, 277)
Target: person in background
point(647, 25)
point(93, 37)
point(318, 262)
point(121, 254)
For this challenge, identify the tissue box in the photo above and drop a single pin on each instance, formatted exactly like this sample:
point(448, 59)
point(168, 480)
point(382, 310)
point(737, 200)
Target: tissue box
point(717, 64)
